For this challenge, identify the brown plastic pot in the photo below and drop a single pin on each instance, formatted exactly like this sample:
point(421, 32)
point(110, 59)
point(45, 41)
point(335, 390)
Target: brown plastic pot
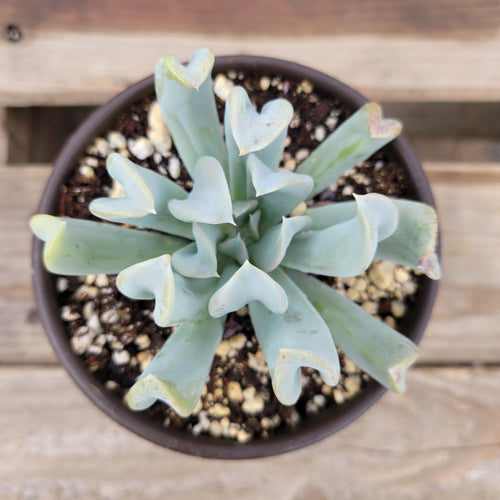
point(316, 427)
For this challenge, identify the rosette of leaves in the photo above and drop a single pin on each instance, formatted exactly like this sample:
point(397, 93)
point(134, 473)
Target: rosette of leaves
point(231, 241)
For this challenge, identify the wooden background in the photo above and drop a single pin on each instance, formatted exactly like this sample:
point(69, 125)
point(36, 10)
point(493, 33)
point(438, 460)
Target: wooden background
point(435, 65)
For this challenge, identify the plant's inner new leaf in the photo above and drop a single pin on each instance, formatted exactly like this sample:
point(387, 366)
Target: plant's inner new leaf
point(253, 131)
point(199, 259)
point(347, 248)
point(269, 251)
point(299, 337)
point(209, 201)
point(146, 201)
point(190, 349)
point(380, 351)
point(361, 135)
point(248, 283)
point(235, 247)
point(78, 247)
point(177, 299)
point(278, 193)
point(248, 131)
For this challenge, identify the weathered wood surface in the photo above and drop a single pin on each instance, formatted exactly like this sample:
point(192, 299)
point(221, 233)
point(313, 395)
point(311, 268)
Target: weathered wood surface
point(418, 17)
point(439, 441)
point(67, 67)
point(465, 322)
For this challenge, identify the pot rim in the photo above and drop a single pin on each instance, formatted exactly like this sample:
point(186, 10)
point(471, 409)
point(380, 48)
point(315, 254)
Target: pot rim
point(316, 427)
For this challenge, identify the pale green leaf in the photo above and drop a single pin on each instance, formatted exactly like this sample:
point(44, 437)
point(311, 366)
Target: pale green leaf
point(187, 102)
point(78, 247)
point(248, 283)
point(380, 351)
point(278, 193)
point(145, 204)
point(248, 131)
point(177, 299)
point(209, 201)
point(413, 243)
point(199, 259)
point(178, 372)
point(347, 248)
point(299, 337)
point(355, 140)
point(268, 252)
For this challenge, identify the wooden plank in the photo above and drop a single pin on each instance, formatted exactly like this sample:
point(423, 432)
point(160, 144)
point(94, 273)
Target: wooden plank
point(437, 441)
point(56, 68)
point(22, 336)
point(417, 17)
point(464, 325)
point(467, 311)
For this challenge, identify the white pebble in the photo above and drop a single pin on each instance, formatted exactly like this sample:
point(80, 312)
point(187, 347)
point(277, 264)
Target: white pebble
point(222, 86)
point(117, 140)
point(237, 341)
point(100, 147)
point(258, 362)
point(348, 190)
point(234, 392)
point(91, 161)
point(101, 280)
point(68, 315)
point(142, 342)
point(86, 171)
point(290, 165)
point(265, 82)
point(141, 147)
point(80, 343)
point(331, 122)
point(253, 403)
point(94, 324)
point(88, 309)
point(300, 209)
point(62, 284)
point(174, 167)
point(215, 428)
point(110, 316)
point(243, 436)
point(382, 274)
point(218, 410)
point(120, 357)
point(302, 154)
point(398, 309)
point(320, 133)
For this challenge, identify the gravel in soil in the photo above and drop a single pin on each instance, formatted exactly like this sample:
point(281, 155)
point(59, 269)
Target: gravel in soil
point(117, 337)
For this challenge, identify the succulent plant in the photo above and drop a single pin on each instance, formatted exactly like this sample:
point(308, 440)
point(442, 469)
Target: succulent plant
point(235, 240)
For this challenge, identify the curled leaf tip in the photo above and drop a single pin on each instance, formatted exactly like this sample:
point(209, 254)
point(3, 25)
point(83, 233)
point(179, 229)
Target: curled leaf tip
point(194, 74)
point(397, 373)
point(379, 127)
point(429, 265)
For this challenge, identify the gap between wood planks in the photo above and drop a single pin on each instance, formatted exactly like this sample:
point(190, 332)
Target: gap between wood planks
point(453, 132)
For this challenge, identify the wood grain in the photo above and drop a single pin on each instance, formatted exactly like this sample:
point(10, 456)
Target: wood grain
point(281, 17)
point(73, 68)
point(464, 325)
point(441, 440)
